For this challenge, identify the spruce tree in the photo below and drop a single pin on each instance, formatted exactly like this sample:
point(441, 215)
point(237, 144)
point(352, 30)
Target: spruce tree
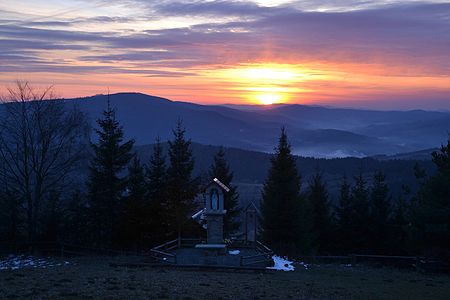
point(135, 215)
point(400, 221)
point(322, 219)
point(106, 183)
point(431, 217)
point(285, 220)
point(380, 213)
point(360, 220)
point(76, 219)
point(221, 170)
point(344, 212)
point(156, 175)
point(182, 188)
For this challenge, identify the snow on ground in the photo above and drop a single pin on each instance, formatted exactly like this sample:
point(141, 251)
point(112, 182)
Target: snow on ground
point(281, 264)
point(15, 262)
point(234, 252)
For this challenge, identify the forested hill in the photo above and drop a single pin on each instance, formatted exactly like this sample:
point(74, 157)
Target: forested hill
point(312, 130)
point(250, 168)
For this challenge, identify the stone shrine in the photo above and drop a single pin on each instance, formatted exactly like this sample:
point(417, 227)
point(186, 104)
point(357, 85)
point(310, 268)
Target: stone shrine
point(214, 213)
point(214, 251)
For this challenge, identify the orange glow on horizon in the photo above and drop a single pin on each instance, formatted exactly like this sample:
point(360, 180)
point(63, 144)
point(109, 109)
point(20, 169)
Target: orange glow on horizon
point(258, 83)
point(269, 51)
point(268, 99)
point(264, 83)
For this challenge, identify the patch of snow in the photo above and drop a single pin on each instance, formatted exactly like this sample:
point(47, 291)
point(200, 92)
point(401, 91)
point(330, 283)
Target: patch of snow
point(281, 264)
point(234, 252)
point(13, 262)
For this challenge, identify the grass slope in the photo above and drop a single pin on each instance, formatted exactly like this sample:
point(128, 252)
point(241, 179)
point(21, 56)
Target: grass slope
point(97, 278)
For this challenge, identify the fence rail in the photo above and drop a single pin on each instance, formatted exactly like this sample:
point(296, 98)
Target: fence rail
point(264, 257)
point(167, 246)
point(164, 253)
point(164, 257)
point(63, 249)
point(368, 259)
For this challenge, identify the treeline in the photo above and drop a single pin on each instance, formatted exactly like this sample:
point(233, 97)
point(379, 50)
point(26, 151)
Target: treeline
point(127, 204)
point(131, 204)
point(366, 219)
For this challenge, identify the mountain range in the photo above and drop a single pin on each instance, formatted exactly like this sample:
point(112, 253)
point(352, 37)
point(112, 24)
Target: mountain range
point(313, 131)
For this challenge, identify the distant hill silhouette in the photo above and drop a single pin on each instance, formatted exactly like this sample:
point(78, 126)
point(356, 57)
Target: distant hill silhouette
point(313, 131)
point(423, 155)
point(250, 169)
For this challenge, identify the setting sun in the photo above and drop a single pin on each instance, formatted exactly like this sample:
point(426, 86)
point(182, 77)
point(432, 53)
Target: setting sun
point(268, 99)
point(264, 83)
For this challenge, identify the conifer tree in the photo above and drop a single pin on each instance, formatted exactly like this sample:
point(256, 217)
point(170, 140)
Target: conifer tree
point(344, 212)
point(221, 170)
point(135, 215)
point(360, 220)
point(156, 175)
point(286, 222)
point(136, 187)
point(431, 217)
point(106, 183)
point(322, 219)
point(182, 187)
point(76, 218)
point(380, 213)
point(400, 220)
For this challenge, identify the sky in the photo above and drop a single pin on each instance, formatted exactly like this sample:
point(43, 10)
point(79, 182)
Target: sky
point(348, 53)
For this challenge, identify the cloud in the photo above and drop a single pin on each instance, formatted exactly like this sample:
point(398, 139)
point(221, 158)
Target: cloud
point(22, 44)
point(212, 8)
point(32, 33)
point(131, 56)
point(414, 37)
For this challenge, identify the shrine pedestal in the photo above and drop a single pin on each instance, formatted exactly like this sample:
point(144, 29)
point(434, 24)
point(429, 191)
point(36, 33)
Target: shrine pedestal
point(214, 221)
point(212, 249)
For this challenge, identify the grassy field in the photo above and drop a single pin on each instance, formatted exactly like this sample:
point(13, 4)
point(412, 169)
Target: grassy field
point(102, 278)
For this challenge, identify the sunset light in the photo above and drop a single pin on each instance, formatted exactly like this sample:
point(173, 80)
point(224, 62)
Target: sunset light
point(264, 83)
point(270, 73)
point(232, 136)
point(268, 99)
point(241, 52)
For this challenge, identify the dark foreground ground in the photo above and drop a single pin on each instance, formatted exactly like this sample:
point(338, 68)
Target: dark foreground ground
point(106, 278)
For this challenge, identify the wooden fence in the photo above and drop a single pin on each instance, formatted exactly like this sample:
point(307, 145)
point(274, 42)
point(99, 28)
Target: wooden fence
point(164, 254)
point(264, 257)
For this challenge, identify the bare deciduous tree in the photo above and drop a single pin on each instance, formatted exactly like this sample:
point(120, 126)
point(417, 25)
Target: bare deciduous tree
point(41, 141)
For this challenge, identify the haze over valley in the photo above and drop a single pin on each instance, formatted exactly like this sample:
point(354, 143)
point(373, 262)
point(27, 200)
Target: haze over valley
point(314, 131)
